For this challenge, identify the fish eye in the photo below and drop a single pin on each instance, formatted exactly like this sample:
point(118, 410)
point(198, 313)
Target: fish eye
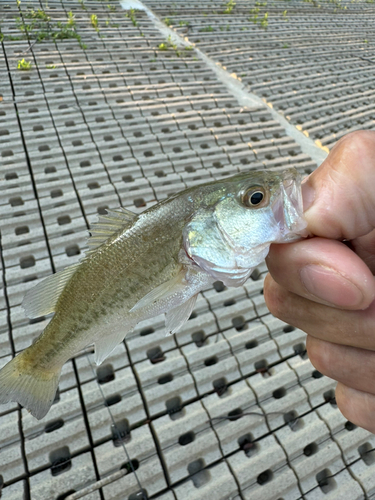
point(254, 197)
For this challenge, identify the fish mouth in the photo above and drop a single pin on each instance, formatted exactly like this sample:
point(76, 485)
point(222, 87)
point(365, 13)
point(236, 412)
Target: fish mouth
point(288, 210)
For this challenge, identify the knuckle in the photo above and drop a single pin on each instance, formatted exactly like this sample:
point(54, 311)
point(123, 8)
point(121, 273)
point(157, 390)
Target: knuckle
point(274, 297)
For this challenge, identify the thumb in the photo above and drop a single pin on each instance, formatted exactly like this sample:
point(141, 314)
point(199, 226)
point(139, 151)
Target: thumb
point(339, 197)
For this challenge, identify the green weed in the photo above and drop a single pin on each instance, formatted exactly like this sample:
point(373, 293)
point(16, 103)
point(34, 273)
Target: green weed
point(24, 65)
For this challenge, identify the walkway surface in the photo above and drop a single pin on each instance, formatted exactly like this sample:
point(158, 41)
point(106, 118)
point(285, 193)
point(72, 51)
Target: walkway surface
point(102, 107)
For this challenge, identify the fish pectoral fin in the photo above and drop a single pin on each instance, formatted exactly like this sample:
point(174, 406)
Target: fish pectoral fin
point(107, 343)
point(41, 300)
point(164, 291)
point(177, 317)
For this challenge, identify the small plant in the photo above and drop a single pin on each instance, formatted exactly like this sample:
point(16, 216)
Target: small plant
point(94, 22)
point(285, 46)
point(50, 66)
point(264, 21)
point(229, 7)
point(131, 16)
point(71, 20)
point(183, 23)
point(24, 65)
point(112, 8)
point(82, 4)
point(168, 44)
point(206, 29)
point(168, 21)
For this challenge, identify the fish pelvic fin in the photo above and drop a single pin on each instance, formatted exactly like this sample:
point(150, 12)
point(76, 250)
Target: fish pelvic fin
point(31, 387)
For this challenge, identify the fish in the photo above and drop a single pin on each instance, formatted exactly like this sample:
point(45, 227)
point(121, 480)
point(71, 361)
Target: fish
point(140, 266)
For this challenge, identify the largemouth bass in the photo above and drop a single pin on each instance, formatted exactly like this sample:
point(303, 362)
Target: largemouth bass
point(139, 266)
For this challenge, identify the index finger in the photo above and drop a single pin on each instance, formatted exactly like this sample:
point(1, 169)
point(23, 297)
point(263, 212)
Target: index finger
point(339, 197)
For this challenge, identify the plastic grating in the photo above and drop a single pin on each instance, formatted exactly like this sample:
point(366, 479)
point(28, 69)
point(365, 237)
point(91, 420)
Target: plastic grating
point(230, 407)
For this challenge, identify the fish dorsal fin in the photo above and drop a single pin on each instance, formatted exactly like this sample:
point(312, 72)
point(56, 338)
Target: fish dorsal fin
point(107, 225)
point(41, 300)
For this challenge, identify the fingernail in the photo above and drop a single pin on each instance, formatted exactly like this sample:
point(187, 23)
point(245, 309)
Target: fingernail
point(308, 195)
point(329, 286)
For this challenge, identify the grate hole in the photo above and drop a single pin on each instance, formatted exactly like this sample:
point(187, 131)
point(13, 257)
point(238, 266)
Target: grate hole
point(261, 366)
point(190, 170)
point(220, 386)
point(165, 379)
point(16, 201)
point(139, 202)
point(288, 329)
point(44, 147)
point(56, 193)
point(367, 453)
point(54, 425)
point(265, 477)
point(235, 414)
point(279, 393)
point(105, 374)
point(10, 176)
point(198, 474)
point(60, 461)
point(72, 250)
point(329, 397)
point(219, 286)
point(131, 466)
point(26, 262)
point(255, 275)
point(325, 481)
point(349, 426)
point(300, 349)
point(291, 418)
point(229, 302)
point(247, 445)
point(251, 344)
point(211, 361)
point(103, 210)
point(155, 355)
point(50, 170)
point(317, 374)
point(146, 331)
point(186, 438)
point(120, 432)
point(310, 449)
point(239, 323)
point(174, 407)
point(93, 185)
point(64, 219)
point(112, 400)
point(199, 338)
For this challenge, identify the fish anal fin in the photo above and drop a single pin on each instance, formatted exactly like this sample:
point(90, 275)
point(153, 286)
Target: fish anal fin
point(42, 298)
point(107, 343)
point(107, 225)
point(177, 317)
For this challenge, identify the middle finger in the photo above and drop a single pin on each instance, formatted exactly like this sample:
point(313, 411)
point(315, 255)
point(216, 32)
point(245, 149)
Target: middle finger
point(352, 328)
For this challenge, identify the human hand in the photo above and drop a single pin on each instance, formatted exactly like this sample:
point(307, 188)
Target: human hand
point(327, 287)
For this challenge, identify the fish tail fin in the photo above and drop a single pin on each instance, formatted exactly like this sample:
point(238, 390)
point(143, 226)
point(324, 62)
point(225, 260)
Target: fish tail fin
point(31, 387)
